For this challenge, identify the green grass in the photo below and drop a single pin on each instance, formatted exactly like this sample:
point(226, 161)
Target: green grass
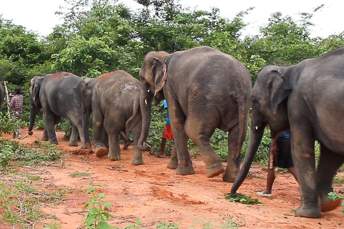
point(21, 199)
point(338, 180)
point(80, 174)
point(11, 153)
point(243, 199)
point(168, 225)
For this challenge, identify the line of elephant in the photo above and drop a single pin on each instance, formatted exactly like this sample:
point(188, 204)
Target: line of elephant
point(207, 89)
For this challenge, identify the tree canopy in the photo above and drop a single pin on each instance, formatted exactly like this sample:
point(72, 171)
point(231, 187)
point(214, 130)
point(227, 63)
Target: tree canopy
point(101, 35)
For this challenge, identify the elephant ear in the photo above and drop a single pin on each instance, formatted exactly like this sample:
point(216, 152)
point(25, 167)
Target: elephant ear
point(279, 87)
point(160, 74)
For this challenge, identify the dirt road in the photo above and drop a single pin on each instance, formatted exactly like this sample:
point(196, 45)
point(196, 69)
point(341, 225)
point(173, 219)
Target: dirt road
point(153, 193)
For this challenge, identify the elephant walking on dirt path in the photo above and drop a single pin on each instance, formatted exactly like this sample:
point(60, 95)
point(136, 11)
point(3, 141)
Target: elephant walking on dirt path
point(205, 89)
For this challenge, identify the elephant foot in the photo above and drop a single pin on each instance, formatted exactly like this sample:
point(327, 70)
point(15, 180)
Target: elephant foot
point(214, 170)
point(308, 212)
point(101, 151)
point(228, 178)
point(330, 205)
point(73, 144)
point(44, 139)
point(114, 156)
point(185, 170)
point(54, 142)
point(86, 146)
point(173, 163)
point(137, 161)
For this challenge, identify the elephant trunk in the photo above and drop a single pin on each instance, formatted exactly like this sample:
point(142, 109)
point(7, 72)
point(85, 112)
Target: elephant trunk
point(33, 113)
point(145, 107)
point(257, 131)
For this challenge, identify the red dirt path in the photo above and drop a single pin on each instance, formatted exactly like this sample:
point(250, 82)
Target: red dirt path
point(153, 193)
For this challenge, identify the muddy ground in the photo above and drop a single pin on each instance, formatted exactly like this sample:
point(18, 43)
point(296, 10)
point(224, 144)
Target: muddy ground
point(153, 194)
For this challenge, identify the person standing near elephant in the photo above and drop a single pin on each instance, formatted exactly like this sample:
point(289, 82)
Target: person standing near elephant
point(280, 156)
point(16, 107)
point(167, 134)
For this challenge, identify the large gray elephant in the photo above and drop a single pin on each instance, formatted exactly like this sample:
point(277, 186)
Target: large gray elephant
point(120, 103)
point(307, 98)
point(59, 95)
point(205, 89)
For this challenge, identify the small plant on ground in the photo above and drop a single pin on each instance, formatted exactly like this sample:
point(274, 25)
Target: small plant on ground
point(136, 225)
point(8, 124)
point(243, 199)
point(169, 225)
point(230, 224)
point(20, 200)
point(80, 174)
point(335, 196)
point(13, 152)
point(98, 212)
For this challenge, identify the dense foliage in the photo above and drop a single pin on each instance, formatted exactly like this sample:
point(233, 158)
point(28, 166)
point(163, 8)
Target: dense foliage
point(102, 35)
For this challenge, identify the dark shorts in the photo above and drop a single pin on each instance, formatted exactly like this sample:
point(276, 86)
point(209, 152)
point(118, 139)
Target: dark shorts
point(284, 159)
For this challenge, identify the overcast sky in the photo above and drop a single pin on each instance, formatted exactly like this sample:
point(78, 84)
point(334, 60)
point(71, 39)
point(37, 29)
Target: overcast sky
point(39, 15)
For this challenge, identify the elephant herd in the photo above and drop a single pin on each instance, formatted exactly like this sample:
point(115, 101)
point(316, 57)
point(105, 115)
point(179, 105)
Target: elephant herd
point(207, 90)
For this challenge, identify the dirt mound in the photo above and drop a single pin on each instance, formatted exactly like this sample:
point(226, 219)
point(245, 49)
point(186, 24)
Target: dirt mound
point(153, 194)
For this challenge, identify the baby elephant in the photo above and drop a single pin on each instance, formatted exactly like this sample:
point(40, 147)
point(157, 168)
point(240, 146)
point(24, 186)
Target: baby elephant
point(120, 103)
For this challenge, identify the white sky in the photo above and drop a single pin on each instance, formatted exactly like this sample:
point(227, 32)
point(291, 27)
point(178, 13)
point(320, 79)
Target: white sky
point(39, 15)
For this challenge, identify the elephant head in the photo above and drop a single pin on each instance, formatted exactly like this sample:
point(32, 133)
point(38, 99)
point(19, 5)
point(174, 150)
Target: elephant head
point(269, 107)
point(153, 73)
point(35, 106)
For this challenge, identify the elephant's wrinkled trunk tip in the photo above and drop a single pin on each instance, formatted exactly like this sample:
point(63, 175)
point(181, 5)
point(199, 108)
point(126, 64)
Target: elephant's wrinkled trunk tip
point(255, 139)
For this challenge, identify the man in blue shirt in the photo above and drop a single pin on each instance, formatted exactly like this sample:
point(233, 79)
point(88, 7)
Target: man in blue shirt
point(280, 156)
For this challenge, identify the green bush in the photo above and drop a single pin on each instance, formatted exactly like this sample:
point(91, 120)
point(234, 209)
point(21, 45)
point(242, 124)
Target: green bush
point(13, 152)
point(8, 124)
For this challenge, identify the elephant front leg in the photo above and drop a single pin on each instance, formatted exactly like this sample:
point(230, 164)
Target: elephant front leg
point(329, 163)
point(49, 121)
point(45, 136)
point(173, 163)
point(302, 143)
point(100, 135)
point(114, 147)
point(180, 138)
point(73, 139)
point(233, 160)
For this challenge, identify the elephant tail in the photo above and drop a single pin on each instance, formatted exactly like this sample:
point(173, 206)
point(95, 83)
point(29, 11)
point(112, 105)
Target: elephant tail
point(128, 123)
point(145, 108)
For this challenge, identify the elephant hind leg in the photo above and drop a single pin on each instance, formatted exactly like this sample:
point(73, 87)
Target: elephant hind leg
point(329, 163)
point(73, 139)
point(49, 121)
point(200, 134)
point(137, 158)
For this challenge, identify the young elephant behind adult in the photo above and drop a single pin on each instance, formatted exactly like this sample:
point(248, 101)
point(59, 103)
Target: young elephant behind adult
point(307, 98)
point(205, 89)
point(120, 103)
point(59, 95)
point(74, 136)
